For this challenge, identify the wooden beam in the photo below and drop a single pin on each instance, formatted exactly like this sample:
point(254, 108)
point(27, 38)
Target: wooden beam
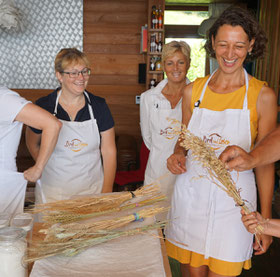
point(181, 31)
point(186, 8)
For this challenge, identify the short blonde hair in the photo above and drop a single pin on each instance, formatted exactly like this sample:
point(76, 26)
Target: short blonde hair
point(67, 56)
point(169, 49)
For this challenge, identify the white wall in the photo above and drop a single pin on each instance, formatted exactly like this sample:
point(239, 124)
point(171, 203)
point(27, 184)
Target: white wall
point(27, 56)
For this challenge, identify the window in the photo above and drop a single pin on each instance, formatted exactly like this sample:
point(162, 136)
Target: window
point(183, 25)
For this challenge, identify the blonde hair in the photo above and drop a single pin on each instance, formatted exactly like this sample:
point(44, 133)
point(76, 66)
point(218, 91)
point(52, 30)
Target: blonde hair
point(67, 56)
point(169, 49)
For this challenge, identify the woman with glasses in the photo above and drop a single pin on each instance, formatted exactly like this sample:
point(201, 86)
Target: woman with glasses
point(84, 159)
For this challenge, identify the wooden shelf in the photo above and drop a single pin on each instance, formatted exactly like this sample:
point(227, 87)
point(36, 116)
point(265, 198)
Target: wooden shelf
point(156, 75)
point(154, 53)
point(156, 72)
point(155, 30)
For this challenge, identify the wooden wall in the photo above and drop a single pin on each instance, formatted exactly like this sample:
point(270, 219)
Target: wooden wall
point(112, 42)
point(268, 69)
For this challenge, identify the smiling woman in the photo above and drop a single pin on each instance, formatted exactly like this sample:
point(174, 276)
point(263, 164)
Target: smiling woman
point(206, 233)
point(231, 46)
point(159, 103)
point(86, 137)
point(183, 25)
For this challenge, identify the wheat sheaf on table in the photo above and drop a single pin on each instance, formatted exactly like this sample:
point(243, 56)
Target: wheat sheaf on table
point(202, 153)
point(72, 210)
point(71, 226)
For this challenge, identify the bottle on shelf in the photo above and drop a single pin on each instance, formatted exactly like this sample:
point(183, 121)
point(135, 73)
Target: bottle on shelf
point(153, 45)
point(152, 64)
point(154, 67)
point(157, 14)
point(160, 18)
point(159, 43)
point(153, 18)
point(152, 83)
point(158, 64)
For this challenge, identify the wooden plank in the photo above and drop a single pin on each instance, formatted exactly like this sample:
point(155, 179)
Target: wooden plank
point(112, 39)
point(266, 17)
point(122, 110)
point(132, 132)
point(175, 31)
point(112, 32)
point(186, 8)
point(127, 49)
point(114, 18)
point(116, 89)
point(115, 64)
point(132, 28)
point(112, 99)
point(164, 255)
point(105, 79)
point(260, 63)
point(274, 47)
point(33, 94)
point(113, 5)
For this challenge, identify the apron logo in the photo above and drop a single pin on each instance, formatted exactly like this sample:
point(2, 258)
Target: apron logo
point(216, 141)
point(75, 145)
point(167, 132)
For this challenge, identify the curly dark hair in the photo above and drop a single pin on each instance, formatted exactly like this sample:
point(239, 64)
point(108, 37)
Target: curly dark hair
point(236, 16)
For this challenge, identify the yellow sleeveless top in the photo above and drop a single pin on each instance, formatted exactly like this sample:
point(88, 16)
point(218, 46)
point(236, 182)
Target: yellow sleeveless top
point(233, 100)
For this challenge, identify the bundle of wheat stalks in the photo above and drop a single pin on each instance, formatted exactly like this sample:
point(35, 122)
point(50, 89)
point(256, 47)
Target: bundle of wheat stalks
point(69, 235)
point(205, 155)
point(73, 210)
point(70, 239)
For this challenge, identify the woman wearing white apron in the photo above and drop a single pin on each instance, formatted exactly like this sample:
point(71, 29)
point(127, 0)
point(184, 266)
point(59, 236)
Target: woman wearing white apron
point(206, 233)
point(159, 103)
point(86, 139)
point(14, 111)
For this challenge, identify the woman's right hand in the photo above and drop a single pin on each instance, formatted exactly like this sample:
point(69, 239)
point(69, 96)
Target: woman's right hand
point(33, 173)
point(252, 220)
point(176, 163)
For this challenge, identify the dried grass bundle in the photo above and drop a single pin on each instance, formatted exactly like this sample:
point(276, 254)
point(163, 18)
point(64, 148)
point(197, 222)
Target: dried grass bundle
point(85, 207)
point(203, 153)
point(52, 217)
point(70, 239)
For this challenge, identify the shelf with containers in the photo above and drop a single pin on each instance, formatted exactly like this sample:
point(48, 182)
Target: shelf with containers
point(154, 70)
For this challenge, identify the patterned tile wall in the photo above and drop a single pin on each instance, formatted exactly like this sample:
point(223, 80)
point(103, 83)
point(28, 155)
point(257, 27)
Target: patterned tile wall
point(27, 56)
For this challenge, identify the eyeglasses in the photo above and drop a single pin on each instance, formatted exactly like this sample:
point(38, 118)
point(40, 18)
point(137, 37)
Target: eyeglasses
point(75, 74)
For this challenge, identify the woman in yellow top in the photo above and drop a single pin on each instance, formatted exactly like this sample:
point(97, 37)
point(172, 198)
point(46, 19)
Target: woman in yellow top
point(206, 233)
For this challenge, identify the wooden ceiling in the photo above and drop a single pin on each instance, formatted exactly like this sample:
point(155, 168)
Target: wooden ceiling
point(197, 2)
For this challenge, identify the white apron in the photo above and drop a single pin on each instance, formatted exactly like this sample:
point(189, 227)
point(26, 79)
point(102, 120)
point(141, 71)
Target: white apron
point(162, 146)
point(203, 216)
point(12, 183)
point(74, 167)
point(162, 142)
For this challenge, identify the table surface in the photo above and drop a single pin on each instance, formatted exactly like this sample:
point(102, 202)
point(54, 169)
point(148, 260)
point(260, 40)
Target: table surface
point(37, 235)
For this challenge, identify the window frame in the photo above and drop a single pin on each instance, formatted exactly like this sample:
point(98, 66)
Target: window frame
point(183, 31)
